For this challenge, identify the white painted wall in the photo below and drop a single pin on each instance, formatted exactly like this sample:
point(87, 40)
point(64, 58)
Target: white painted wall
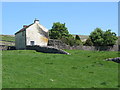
point(33, 34)
point(36, 32)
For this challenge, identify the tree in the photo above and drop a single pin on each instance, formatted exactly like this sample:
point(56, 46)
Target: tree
point(97, 37)
point(109, 38)
point(78, 40)
point(101, 38)
point(58, 31)
point(77, 37)
point(88, 42)
point(119, 40)
point(69, 40)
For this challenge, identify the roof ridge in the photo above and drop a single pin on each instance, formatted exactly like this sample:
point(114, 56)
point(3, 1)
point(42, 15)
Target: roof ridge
point(23, 29)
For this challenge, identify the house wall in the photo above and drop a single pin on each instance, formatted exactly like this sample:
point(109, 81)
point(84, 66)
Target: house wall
point(34, 33)
point(20, 40)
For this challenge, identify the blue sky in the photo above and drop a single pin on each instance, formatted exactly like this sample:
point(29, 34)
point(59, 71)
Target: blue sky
point(80, 17)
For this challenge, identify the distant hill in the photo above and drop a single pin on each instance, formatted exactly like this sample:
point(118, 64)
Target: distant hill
point(7, 37)
point(82, 37)
point(7, 40)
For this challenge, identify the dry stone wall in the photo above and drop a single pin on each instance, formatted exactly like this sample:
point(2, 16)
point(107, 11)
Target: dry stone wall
point(4, 47)
point(46, 49)
point(59, 44)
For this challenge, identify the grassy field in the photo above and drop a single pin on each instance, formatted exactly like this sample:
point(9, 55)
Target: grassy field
point(7, 37)
point(81, 69)
point(7, 40)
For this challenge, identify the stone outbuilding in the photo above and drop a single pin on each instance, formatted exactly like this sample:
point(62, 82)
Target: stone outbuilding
point(30, 35)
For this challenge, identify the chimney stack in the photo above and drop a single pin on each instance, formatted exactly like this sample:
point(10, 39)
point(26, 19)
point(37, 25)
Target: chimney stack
point(24, 26)
point(36, 21)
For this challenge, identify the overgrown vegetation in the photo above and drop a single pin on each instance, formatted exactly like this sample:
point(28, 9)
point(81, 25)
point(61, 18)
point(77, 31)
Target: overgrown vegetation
point(103, 38)
point(60, 31)
point(118, 40)
point(81, 69)
point(96, 38)
point(88, 42)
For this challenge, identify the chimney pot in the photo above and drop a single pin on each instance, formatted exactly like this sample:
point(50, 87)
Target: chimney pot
point(36, 21)
point(24, 26)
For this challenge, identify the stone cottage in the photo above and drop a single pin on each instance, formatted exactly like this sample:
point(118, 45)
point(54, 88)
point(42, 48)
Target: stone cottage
point(30, 35)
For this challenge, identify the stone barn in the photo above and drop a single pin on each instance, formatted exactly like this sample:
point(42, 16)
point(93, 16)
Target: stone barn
point(30, 35)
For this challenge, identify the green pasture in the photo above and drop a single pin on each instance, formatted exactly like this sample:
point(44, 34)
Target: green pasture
point(7, 37)
point(81, 69)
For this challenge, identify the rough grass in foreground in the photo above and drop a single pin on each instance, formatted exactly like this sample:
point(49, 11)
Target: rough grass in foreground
point(81, 69)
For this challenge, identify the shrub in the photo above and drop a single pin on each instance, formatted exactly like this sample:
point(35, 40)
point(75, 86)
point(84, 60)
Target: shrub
point(101, 38)
point(88, 42)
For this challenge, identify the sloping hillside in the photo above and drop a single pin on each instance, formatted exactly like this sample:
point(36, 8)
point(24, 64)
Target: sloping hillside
point(82, 37)
point(7, 37)
point(81, 69)
point(7, 40)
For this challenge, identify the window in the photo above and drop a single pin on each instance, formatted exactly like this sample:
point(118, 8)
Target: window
point(32, 43)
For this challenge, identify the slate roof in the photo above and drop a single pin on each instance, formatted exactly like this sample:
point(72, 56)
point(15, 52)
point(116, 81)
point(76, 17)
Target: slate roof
point(41, 29)
point(24, 28)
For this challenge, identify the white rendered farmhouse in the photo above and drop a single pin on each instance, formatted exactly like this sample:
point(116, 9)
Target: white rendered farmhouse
point(33, 34)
